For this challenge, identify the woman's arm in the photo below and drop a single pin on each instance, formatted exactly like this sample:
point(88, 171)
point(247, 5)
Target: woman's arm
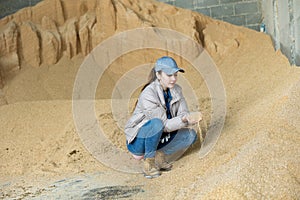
point(150, 103)
point(151, 106)
point(180, 119)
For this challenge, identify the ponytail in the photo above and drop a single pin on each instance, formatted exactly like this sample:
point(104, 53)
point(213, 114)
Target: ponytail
point(152, 77)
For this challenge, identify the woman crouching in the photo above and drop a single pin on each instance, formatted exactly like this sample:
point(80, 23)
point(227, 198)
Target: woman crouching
point(158, 125)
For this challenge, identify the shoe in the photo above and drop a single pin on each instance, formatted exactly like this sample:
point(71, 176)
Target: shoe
point(160, 160)
point(150, 168)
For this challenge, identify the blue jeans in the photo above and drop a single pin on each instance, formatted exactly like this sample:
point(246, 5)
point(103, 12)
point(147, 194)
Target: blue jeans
point(151, 137)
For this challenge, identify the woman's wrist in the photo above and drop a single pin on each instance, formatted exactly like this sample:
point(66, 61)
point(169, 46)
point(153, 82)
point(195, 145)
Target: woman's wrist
point(184, 119)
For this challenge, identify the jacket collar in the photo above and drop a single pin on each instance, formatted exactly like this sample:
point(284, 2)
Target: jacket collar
point(174, 92)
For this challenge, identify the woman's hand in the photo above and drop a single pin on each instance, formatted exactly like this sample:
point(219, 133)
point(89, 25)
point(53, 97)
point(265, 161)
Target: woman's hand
point(192, 118)
point(184, 119)
point(191, 121)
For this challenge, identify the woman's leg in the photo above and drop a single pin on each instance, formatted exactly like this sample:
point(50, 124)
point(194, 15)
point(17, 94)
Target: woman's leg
point(147, 139)
point(146, 143)
point(182, 139)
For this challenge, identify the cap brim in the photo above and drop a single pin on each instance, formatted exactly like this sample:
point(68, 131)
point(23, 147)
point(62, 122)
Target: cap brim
point(172, 71)
point(181, 70)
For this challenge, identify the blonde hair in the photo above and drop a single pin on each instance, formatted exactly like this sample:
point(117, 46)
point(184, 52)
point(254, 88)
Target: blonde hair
point(151, 77)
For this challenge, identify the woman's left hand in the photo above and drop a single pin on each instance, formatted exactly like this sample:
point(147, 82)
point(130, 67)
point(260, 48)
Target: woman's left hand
point(194, 118)
point(192, 121)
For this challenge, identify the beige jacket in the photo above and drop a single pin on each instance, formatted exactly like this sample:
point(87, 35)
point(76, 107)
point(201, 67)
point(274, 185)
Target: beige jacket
point(151, 104)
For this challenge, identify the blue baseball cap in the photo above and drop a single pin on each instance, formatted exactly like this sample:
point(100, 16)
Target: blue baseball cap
point(167, 65)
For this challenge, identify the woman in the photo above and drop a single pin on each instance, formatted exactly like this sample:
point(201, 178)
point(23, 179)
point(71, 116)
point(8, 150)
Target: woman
point(159, 122)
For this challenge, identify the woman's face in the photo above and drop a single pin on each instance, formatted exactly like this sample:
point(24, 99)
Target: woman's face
point(167, 81)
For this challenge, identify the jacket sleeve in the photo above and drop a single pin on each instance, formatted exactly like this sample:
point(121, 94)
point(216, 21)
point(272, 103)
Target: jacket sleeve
point(152, 108)
point(181, 110)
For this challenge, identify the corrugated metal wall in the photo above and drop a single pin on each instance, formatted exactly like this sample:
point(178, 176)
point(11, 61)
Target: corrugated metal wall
point(245, 13)
point(282, 19)
point(8, 7)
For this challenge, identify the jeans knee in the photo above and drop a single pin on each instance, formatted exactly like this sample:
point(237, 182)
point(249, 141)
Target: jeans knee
point(157, 124)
